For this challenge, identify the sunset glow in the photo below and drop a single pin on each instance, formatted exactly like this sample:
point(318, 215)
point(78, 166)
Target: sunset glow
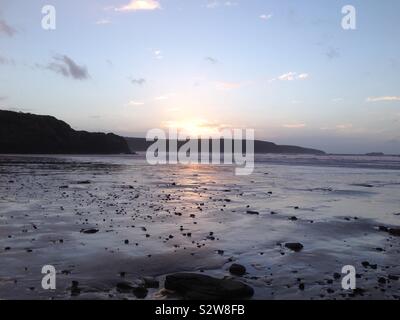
point(194, 127)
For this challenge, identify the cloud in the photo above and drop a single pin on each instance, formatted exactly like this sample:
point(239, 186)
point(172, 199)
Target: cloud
point(394, 141)
point(216, 4)
point(157, 54)
point(212, 5)
point(136, 5)
point(291, 76)
point(103, 22)
point(302, 76)
point(266, 16)
point(139, 81)
point(173, 109)
point(6, 29)
point(222, 85)
point(6, 61)
point(165, 97)
point(344, 126)
point(332, 53)
point(2, 98)
point(294, 125)
point(211, 60)
point(135, 103)
point(384, 98)
point(230, 3)
point(67, 67)
point(160, 98)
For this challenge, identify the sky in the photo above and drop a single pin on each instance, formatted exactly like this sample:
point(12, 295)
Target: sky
point(286, 68)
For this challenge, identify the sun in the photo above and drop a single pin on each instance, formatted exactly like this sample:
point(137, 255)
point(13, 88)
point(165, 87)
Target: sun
point(194, 127)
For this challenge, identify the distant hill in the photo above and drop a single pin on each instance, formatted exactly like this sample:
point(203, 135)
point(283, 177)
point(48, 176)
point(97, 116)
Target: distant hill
point(25, 133)
point(34, 134)
point(140, 144)
point(375, 154)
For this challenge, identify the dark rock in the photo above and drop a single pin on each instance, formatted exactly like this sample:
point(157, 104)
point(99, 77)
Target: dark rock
point(89, 231)
point(393, 277)
point(203, 287)
point(237, 269)
point(252, 212)
point(83, 182)
point(337, 275)
point(394, 232)
point(359, 291)
point(140, 292)
point(365, 185)
point(293, 218)
point(150, 282)
point(294, 246)
point(124, 287)
point(382, 280)
point(383, 228)
point(75, 290)
point(366, 264)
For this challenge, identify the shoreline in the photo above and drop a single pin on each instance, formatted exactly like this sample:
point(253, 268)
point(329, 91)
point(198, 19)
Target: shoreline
point(157, 221)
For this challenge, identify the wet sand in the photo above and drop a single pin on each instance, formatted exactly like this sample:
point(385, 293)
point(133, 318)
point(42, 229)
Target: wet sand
point(153, 221)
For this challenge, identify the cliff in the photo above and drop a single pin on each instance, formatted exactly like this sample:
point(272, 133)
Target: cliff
point(35, 134)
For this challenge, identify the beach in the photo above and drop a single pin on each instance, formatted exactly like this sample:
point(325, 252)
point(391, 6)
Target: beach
point(103, 220)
